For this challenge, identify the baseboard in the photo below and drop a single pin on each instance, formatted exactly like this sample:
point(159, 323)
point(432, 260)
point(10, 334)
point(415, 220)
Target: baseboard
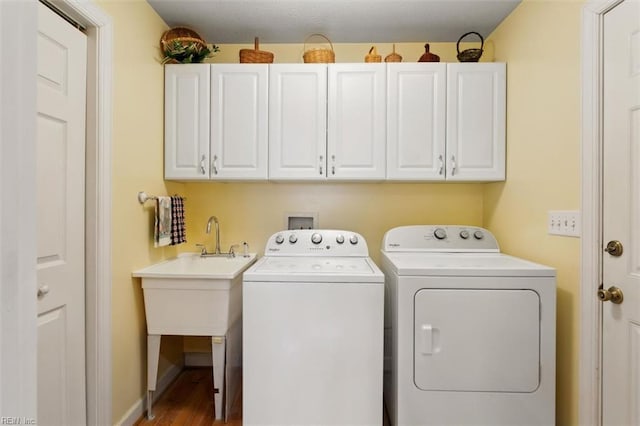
point(198, 359)
point(138, 409)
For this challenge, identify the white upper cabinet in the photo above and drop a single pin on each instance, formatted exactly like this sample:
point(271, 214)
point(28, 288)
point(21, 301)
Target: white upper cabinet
point(327, 121)
point(356, 121)
point(476, 102)
point(186, 122)
point(239, 114)
point(416, 122)
point(298, 121)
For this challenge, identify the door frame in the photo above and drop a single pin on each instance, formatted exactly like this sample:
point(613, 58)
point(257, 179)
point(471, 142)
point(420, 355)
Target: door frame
point(590, 398)
point(18, 245)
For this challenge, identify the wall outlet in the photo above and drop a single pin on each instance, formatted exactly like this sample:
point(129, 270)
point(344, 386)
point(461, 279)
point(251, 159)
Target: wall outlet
point(564, 222)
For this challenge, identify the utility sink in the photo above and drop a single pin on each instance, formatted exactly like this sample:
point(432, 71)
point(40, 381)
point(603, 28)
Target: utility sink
point(192, 295)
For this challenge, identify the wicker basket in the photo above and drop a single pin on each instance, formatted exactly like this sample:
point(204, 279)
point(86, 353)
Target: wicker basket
point(470, 55)
point(393, 56)
point(255, 56)
point(183, 36)
point(316, 55)
point(428, 56)
point(373, 55)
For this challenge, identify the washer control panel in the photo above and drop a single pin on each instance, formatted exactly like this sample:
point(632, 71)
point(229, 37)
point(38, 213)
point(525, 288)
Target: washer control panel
point(313, 242)
point(440, 238)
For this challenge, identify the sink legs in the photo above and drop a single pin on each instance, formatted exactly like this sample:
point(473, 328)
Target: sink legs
point(153, 354)
point(218, 353)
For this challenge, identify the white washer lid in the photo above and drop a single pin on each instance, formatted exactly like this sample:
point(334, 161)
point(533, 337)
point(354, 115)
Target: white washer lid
point(314, 269)
point(463, 264)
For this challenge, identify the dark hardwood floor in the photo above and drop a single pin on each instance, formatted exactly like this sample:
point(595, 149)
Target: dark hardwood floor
point(189, 402)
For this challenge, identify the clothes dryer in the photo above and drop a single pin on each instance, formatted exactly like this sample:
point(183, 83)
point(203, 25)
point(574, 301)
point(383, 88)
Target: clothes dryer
point(469, 331)
point(313, 332)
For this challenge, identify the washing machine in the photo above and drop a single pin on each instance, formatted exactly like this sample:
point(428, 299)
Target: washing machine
point(313, 326)
point(469, 331)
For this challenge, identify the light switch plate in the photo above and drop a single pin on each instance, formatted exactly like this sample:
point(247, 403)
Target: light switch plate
point(564, 222)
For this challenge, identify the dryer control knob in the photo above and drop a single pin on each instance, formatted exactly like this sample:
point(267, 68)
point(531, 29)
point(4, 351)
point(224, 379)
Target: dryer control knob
point(340, 239)
point(464, 234)
point(279, 239)
point(440, 233)
point(316, 238)
point(293, 238)
point(353, 239)
point(478, 235)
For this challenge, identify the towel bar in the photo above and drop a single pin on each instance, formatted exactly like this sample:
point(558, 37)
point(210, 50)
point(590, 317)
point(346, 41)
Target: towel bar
point(143, 197)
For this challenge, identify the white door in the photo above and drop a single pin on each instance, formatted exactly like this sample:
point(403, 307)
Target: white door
point(298, 121)
point(60, 228)
point(621, 214)
point(476, 103)
point(357, 108)
point(186, 121)
point(239, 127)
point(416, 97)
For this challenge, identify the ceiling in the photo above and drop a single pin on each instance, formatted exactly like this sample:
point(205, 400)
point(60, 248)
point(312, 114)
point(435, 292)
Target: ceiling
point(342, 21)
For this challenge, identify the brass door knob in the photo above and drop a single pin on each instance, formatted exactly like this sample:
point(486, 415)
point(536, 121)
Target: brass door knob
point(614, 248)
point(613, 294)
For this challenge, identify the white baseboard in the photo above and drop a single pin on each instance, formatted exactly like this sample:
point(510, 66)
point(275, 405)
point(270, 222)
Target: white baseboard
point(198, 359)
point(138, 409)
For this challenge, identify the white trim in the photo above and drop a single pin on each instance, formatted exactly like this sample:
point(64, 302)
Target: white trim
point(138, 409)
point(590, 398)
point(18, 303)
point(98, 206)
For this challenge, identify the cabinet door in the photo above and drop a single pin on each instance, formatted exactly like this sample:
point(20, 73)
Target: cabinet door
point(239, 121)
point(476, 97)
point(297, 121)
point(356, 121)
point(186, 120)
point(416, 107)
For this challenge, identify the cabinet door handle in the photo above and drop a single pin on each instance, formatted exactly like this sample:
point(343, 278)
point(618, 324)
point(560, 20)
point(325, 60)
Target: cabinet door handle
point(214, 165)
point(453, 165)
point(440, 165)
point(320, 165)
point(202, 170)
point(333, 166)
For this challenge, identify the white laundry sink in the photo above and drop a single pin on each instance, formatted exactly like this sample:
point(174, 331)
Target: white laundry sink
point(197, 296)
point(193, 295)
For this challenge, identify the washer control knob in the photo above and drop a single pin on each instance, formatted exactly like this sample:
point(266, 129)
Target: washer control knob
point(353, 239)
point(293, 238)
point(464, 234)
point(279, 239)
point(316, 238)
point(340, 239)
point(440, 233)
point(478, 235)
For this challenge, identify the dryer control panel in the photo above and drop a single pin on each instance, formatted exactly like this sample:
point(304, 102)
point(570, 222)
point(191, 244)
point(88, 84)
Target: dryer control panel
point(316, 242)
point(439, 238)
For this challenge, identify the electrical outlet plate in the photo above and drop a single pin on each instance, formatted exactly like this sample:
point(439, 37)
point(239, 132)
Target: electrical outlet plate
point(564, 222)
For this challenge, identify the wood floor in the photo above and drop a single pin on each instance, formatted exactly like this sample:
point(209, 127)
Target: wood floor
point(189, 402)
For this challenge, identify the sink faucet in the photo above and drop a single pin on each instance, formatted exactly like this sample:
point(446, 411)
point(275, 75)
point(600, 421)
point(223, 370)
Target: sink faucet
point(215, 221)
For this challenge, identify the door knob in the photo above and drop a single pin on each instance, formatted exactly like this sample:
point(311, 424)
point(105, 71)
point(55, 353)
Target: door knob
point(614, 294)
point(614, 248)
point(43, 290)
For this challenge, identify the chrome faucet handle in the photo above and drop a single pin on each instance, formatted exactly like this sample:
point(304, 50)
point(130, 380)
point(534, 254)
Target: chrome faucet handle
point(232, 251)
point(203, 249)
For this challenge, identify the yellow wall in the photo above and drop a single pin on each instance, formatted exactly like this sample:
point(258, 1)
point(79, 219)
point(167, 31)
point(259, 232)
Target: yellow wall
point(540, 41)
point(137, 141)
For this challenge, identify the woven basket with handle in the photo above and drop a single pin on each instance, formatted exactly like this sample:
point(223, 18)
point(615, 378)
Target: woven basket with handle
point(318, 55)
point(181, 38)
point(470, 55)
point(373, 56)
point(255, 55)
point(393, 56)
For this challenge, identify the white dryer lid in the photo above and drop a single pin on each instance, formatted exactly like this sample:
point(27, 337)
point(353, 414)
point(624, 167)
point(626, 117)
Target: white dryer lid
point(463, 264)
